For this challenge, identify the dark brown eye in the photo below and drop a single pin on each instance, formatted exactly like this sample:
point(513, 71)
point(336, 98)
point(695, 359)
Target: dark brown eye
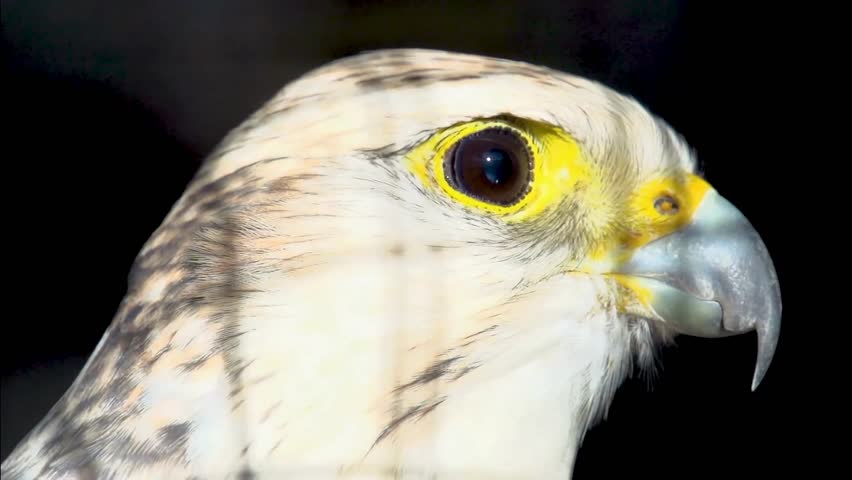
point(493, 166)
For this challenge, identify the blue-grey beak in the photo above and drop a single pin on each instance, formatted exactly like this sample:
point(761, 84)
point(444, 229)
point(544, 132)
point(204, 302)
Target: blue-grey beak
point(713, 278)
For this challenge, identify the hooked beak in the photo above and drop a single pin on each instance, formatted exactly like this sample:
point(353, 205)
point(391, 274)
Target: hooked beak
point(712, 278)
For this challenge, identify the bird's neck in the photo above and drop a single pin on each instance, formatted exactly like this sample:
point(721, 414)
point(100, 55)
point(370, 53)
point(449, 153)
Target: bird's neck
point(518, 412)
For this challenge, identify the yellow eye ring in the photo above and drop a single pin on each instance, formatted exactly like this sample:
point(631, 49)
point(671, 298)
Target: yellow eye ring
point(455, 137)
point(555, 166)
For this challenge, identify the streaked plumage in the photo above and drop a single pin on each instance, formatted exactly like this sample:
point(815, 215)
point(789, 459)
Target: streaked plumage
point(317, 306)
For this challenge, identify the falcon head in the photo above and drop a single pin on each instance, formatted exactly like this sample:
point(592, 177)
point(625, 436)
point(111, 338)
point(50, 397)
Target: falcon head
point(410, 264)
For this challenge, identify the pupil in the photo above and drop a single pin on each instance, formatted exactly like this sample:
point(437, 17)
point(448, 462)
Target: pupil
point(497, 166)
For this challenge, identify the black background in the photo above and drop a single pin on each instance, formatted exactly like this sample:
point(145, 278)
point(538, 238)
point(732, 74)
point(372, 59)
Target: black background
point(109, 107)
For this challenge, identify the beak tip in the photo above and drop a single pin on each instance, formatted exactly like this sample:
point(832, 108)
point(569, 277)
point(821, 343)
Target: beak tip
point(758, 377)
point(759, 373)
point(766, 343)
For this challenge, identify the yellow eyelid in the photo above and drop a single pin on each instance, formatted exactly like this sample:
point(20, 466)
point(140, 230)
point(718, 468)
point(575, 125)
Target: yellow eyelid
point(557, 165)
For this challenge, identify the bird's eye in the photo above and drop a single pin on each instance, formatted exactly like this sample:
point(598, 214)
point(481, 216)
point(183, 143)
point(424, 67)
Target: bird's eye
point(492, 165)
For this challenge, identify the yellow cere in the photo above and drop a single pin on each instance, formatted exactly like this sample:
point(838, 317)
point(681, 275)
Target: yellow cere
point(663, 205)
point(557, 165)
point(656, 208)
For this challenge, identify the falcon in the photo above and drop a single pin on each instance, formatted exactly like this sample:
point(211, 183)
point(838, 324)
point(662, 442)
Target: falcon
point(409, 264)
